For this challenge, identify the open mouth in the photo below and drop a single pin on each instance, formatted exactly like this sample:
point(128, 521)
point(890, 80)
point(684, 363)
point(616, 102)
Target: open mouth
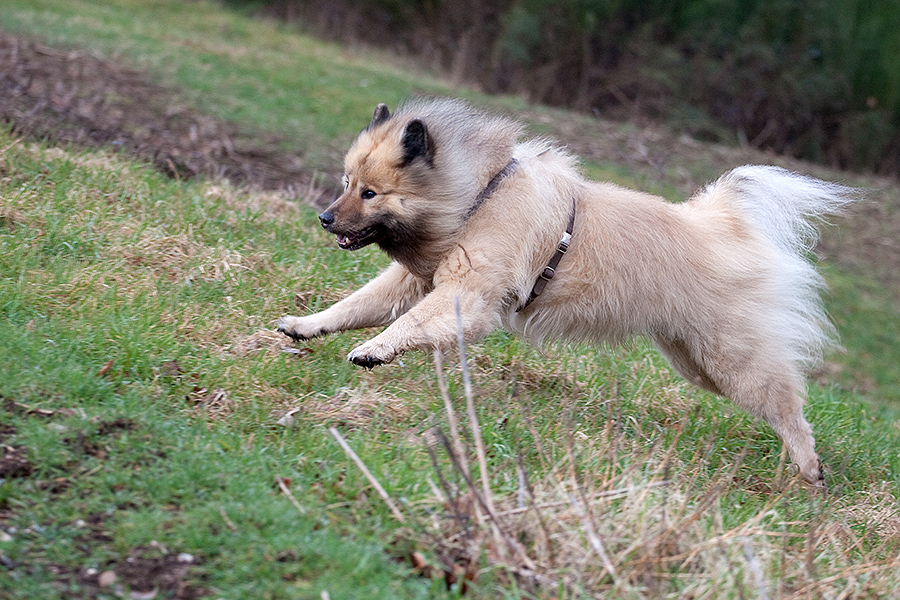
point(358, 240)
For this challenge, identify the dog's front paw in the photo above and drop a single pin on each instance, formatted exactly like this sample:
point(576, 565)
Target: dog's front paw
point(371, 354)
point(299, 328)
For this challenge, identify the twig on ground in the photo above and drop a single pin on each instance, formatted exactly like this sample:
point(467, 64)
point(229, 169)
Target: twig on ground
point(448, 406)
point(228, 522)
point(453, 503)
point(470, 409)
point(593, 538)
point(501, 535)
point(365, 471)
point(287, 492)
point(611, 494)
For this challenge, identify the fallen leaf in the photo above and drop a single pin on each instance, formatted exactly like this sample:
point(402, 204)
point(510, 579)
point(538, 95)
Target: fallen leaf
point(105, 368)
point(171, 368)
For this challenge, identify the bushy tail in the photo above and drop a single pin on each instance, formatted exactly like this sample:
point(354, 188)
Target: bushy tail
point(787, 208)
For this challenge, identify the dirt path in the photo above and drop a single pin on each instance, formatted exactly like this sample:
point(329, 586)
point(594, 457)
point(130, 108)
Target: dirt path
point(69, 97)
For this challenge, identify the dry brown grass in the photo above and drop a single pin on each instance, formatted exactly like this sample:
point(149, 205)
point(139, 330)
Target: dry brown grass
point(662, 528)
point(350, 408)
point(611, 516)
point(271, 205)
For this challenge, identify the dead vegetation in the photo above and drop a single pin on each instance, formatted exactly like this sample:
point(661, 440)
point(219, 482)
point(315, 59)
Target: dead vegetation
point(618, 517)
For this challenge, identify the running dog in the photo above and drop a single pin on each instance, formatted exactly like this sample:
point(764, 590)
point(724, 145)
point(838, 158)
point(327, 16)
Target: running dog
point(721, 283)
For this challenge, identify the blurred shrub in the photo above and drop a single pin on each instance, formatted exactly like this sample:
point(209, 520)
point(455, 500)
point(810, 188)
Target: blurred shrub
point(819, 79)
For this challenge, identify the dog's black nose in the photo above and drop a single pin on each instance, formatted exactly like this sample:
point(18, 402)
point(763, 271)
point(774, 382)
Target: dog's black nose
point(326, 218)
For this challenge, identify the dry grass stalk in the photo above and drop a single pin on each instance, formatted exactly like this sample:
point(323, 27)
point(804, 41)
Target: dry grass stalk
point(283, 486)
point(365, 471)
point(448, 407)
point(755, 569)
point(458, 450)
point(470, 409)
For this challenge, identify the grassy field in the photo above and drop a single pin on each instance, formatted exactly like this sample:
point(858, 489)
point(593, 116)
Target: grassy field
point(159, 440)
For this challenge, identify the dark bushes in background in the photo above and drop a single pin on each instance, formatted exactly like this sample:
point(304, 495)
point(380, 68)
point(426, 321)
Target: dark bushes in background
point(819, 79)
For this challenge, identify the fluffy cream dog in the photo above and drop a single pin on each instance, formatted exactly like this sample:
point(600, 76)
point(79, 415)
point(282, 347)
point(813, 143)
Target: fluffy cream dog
point(720, 283)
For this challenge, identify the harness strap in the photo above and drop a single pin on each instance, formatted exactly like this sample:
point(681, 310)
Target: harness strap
point(561, 248)
point(550, 270)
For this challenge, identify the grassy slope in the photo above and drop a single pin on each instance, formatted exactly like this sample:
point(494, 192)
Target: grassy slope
point(103, 260)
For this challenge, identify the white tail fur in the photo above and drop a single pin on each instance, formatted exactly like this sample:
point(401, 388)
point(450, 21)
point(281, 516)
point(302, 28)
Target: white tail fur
point(786, 208)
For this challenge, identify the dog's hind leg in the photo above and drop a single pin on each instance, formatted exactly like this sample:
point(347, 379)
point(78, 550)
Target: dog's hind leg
point(679, 356)
point(766, 390)
point(774, 392)
point(780, 403)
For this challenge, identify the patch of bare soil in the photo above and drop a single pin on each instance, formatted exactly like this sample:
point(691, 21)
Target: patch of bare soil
point(145, 573)
point(14, 462)
point(74, 97)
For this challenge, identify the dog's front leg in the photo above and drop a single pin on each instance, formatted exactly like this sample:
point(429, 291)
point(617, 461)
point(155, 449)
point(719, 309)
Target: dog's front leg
point(377, 303)
point(430, 324)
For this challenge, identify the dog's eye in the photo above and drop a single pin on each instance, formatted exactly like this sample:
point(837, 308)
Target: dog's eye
point(367, 194)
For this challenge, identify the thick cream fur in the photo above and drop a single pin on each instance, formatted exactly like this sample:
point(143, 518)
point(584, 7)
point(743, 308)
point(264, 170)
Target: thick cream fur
point(720, 283)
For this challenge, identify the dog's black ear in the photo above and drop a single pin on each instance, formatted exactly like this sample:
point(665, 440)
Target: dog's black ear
point(416, 142)
point(381, 115)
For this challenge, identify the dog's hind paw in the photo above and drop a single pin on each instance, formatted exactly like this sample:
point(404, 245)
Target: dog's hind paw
point(820, 481)
point(815, 476)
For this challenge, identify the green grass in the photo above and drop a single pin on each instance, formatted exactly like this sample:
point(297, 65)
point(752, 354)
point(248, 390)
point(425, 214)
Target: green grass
point(164, 479)
point(869, 325)
point(105, 260)
point(76, 292)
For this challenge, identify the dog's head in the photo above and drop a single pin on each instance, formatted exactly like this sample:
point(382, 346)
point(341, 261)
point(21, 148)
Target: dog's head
point(385, 170)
